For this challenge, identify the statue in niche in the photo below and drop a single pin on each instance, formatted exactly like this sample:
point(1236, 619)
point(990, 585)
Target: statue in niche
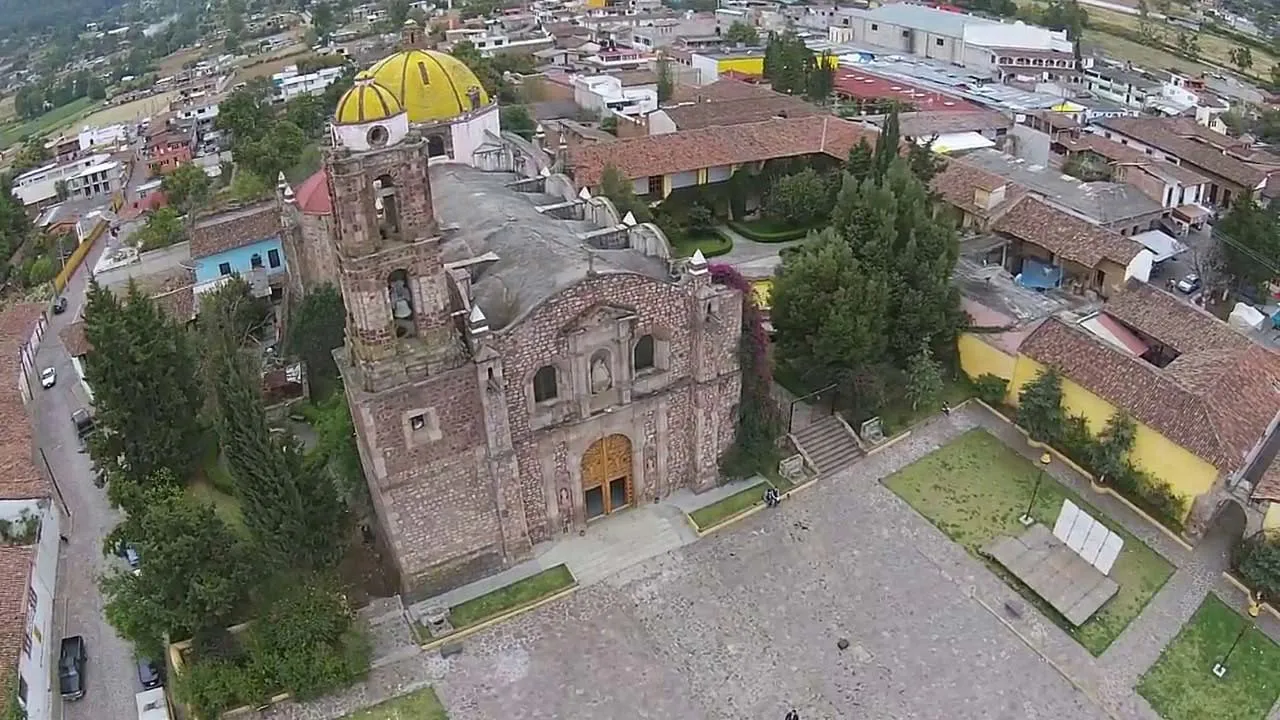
point(401, 302)
point(565, 506)
point(601, 378)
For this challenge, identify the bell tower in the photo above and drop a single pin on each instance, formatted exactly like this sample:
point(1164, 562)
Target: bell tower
point(399, 324)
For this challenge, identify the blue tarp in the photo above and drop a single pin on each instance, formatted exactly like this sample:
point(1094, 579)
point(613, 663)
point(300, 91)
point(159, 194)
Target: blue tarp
point(1038, 275)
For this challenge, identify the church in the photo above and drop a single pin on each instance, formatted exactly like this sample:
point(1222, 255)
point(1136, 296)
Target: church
point(519, 361)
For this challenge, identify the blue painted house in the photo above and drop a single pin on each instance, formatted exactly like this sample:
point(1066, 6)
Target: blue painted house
point(245, 242)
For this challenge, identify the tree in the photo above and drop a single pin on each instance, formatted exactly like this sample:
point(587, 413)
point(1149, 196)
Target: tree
point(309, 113)
point(741, 32)
point(1111, 452)
point(397, 12)
point(248, 186)
point(163, 228)
point(193, 572)
point(886, 146)
point(666, 85)
point(1249, 243)
point(820, 76)
point(1040, 410)
point(32, 154)
point(798, 199)
point(143, 373)
point(291, 506)
point(925, 164)
point(620, 190)
point(323, 21)
point(187, 188)
point(860, 163)
point(924, 378)
point(317, 327)
point(829, 311)
point(1259, 563)
point(1189, 43)
point(245, 113)
point(1242, 57)
point(516, 119)
point(61, 190)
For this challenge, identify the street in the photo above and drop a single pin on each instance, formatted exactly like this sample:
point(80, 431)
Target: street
point(111, 679)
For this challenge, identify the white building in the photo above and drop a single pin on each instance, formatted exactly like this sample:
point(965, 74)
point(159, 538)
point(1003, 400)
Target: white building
point(491, 41)
point(602, 93)
point(29, 544)
point(103, 137)
point(40, 185)
point(97, 180)
point(289, 84)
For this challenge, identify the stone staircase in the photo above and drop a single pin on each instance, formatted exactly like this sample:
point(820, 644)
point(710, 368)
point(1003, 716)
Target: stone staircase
point(827, 444)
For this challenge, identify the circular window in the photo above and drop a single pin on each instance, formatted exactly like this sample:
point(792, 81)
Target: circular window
point(378, 136)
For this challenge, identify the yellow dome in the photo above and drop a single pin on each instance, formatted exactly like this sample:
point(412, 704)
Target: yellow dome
point(366, 101)
point(431, 85)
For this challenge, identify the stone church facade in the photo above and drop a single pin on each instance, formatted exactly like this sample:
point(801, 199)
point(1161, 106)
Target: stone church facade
point(519, 363)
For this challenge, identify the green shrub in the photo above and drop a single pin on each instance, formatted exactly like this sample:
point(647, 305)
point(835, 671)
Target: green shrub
point(1077, 442)
point(1258, 562)
point(754, 232)
point(991, 389)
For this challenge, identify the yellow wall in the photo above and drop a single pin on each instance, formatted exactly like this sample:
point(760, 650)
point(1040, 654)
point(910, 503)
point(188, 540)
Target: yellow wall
point(744, 65)
point(1187, 474)
point(1272, 519)
point(78, 255)
point(979, 358)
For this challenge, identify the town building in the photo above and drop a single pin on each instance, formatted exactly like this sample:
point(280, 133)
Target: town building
point(87, 177)
point(243, 242)
point(519, 361)
point(606, 94)
point(289, 83)
point(109, 137)
point(711, 64)
point(29, 544)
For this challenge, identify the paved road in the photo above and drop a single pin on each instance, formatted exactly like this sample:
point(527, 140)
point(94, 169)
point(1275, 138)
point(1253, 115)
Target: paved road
point(110, 677)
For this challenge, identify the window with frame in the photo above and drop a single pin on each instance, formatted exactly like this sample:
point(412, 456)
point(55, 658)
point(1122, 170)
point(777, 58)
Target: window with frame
point(544, 384)
point(642, 356)
point(255, 260)
point(273, 258)
point(224, 269)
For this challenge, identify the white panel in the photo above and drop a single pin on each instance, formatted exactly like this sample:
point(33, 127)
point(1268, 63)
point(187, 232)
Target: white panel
point(1093, 543)
point(1066, 518)
point(1110, 551)
point(1079, 532)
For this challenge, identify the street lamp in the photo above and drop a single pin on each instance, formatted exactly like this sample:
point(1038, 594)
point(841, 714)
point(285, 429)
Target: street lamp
point(1220, 668)
point(1026, 518)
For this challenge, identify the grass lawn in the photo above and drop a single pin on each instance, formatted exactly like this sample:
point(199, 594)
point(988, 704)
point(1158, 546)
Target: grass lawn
point(420, 705)
point(45, 123)
point(975, 488)
point(722, 510)
point(523, 592)
point(898, 415)
point(227, 507)
point(1180, 685)
point(711, 245)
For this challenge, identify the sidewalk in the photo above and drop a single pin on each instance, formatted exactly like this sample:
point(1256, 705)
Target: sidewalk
point(607, 548)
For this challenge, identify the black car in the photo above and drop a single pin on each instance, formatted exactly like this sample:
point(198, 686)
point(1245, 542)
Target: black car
point(149, 674)
point(60, 305)
point(71, 662)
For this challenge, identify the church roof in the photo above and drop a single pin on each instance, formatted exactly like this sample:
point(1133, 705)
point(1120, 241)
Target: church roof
point(537, 255)
point(432, 86)
point(366, 101)
point(312, 196)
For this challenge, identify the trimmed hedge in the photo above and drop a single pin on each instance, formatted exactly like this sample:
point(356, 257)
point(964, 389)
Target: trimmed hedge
point(711, 245)
point(753, 232)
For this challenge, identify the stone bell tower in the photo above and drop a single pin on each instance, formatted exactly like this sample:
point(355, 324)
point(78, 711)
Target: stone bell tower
point(398, 309)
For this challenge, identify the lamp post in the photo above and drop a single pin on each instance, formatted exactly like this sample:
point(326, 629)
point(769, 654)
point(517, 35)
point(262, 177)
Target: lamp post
point(1220, 668)
point(1026, 518)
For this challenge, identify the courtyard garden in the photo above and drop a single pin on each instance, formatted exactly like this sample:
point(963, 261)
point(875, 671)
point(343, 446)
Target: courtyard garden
point(519, 594)
point(975, 488)
point(1182, 686)
point(420, 705)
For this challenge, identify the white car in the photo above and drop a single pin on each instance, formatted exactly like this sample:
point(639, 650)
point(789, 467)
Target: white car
point(48, 377)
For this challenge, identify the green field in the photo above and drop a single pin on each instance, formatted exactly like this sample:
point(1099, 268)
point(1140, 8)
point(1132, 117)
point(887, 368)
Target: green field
point(47, 122)
point(975, 488)
point(420, 705)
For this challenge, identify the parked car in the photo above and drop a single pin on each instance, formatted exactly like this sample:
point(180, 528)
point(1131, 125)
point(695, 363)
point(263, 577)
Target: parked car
point(48, 378)
point(130, 555)
point(83, 421)
point(71, 660)
point(149, 674)
point(60, 305)
point(1189, 284)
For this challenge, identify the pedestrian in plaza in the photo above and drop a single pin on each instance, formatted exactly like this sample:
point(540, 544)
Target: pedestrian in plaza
point(792, 715)
point(946, 408)
point(771, 498)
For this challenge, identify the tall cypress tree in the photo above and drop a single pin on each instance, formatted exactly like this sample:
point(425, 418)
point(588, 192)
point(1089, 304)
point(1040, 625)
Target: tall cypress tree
point(887, 145)
point(290, 506)
point(142, 369)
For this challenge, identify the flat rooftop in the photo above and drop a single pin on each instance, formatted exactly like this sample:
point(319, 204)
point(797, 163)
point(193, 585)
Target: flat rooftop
point(1103, 202)
point(866, 86)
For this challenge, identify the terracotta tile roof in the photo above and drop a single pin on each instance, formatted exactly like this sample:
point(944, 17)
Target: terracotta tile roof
point(956, 183)
point(180, 304)
point(721, 90)
point(20, 479)
point(917, 125)
point(75, 340)
point(1078, 240)
point(233, 229)
point(1173, 138)
point(1117, 153)
point(1170, 321)
point(736, 112)
point(1215, 404)
point(1057, 120)
point(717, 146)
point(312, 196)
point(15, 579)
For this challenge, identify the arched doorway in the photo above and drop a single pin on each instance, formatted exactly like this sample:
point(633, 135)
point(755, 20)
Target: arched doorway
point(606, 476)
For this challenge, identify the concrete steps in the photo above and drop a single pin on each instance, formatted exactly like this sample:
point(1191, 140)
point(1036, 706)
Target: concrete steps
point(828, 444)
